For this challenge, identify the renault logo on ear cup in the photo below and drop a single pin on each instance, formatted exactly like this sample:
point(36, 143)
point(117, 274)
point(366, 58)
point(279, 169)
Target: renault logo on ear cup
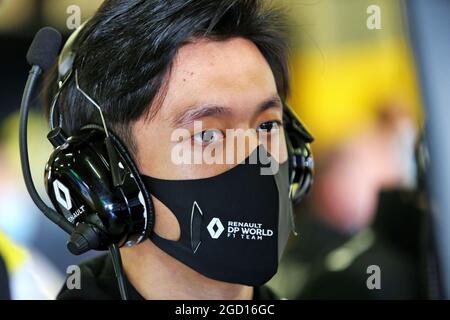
point(215, 228)
point(64, 198)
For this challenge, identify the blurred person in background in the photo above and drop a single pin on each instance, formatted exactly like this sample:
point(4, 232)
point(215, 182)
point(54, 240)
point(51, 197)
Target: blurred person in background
point(356, 88)
point(351, 176)
point(365, 212)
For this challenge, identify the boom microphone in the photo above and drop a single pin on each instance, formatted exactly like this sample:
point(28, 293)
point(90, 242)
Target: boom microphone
point(41, 55)
point(45, 48)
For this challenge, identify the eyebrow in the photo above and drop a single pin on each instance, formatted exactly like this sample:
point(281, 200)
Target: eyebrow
point(194, 113)
point(197, 112)
point(272, 102)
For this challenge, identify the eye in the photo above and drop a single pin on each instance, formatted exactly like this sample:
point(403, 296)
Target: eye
point(269, 126)
point(208, 136)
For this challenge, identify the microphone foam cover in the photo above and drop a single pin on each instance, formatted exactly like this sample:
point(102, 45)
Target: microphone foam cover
point(45, 48)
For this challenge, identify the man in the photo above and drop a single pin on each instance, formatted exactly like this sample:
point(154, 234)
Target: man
point(158, 66)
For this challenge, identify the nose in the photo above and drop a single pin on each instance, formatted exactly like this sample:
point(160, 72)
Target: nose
point(240, 143)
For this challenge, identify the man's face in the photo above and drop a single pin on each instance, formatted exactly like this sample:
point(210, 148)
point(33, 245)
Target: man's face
point(221, 85)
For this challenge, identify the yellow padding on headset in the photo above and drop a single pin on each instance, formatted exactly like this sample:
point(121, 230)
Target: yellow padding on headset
point(13, 254)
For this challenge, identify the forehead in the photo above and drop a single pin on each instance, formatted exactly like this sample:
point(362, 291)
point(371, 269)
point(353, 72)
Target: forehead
point(231, 72)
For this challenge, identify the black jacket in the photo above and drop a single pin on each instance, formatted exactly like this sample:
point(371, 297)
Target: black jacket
point(98, 282)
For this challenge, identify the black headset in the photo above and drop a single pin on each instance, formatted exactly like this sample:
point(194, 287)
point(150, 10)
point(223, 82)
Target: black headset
point(93, 182)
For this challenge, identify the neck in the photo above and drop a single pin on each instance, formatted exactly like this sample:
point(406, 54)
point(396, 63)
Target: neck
point(158, 276)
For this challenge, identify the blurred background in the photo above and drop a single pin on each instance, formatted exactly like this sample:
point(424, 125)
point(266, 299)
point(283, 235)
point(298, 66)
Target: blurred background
point(356, 86)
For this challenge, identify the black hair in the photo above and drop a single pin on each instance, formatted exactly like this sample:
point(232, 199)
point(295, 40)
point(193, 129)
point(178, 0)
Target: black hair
point(125, 52)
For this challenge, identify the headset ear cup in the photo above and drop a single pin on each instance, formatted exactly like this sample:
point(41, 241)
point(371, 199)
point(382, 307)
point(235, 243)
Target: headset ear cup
point(301, 162)
point(130, 164)
point(300, 172)
point(302, 177)
point(148, 203)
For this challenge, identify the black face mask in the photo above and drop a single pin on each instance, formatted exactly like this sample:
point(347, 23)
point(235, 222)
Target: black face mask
point(234, 226)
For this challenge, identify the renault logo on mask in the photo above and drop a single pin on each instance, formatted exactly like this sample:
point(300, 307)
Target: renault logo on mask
point(215, 228)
